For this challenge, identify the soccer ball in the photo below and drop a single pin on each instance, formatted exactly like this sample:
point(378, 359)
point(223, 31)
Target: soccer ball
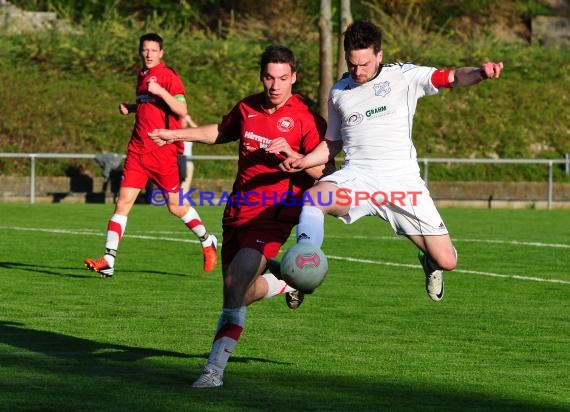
point(304, 267)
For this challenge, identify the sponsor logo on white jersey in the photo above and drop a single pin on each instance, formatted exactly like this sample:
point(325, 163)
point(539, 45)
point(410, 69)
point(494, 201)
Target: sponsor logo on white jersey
point(375, 112)
point(382, 89)
point(354, 119)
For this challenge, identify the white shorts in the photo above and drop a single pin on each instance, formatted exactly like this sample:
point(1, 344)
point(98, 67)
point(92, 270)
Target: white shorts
point(404, 201)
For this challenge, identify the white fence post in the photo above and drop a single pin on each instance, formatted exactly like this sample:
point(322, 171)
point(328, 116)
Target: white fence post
point(32, 178)
point(550, 185)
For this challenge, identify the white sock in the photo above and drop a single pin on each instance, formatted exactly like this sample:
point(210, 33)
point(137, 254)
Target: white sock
point(275, 286)
point(207, 240)
point(115, 230)
point(192, 220)
point(311, 226)
point(230, 327)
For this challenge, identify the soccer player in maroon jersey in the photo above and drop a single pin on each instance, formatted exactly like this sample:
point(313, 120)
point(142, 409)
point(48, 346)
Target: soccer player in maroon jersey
point(264, 204)
point(160, 103)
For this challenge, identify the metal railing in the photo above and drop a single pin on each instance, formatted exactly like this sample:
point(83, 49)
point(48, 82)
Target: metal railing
point(424, 161)
point(34, 156)
point(549, 162)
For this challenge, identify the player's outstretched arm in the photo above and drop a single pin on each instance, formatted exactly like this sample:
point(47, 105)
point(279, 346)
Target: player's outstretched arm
point(281, 148)
point(317, 172)
point(187, 121)
point(468, 76)
point(207, 134)
point(319, 156)
point(329, 167)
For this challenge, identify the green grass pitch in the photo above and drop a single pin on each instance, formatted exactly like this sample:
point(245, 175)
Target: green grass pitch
point(369, 339)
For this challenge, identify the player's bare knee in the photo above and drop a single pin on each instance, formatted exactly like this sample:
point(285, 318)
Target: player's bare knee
point(311, 197)
point(447, 262)
point(230, 291)
point(177, 210)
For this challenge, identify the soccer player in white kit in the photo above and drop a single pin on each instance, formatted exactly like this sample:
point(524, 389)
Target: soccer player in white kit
point(370, 115)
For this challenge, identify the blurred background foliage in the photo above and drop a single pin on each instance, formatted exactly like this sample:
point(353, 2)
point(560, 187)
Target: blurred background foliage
point(62, 86)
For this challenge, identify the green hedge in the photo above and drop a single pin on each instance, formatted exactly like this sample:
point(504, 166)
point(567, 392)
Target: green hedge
point(61, 89)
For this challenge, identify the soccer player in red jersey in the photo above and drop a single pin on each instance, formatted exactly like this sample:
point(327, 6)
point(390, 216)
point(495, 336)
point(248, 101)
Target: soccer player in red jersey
point(160, 102)
point(264, 204)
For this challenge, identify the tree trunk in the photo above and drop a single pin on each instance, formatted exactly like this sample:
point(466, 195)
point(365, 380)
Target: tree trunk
point(326, 56)
point(345, 20)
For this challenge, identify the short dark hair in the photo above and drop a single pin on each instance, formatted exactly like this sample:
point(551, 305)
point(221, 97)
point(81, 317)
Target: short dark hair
point(362, 34)
point(277, 54)
point(150, 37)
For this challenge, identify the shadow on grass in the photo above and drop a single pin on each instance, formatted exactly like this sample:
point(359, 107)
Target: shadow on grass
point(323, 392)
point(61, 271)
point(46, 270)
point(73, 373)
point(70, 347)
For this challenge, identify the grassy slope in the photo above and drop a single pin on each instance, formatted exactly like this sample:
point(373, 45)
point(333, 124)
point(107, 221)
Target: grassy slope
point(63, 92)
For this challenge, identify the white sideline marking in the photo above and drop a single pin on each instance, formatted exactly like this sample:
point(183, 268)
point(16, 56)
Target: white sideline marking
point(472, 272)
point(492, 241)
point(516, 242)
point(90, 232)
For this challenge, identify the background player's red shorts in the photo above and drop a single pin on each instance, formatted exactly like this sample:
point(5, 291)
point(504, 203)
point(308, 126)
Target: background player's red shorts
point(160, 165)
point(266, 237)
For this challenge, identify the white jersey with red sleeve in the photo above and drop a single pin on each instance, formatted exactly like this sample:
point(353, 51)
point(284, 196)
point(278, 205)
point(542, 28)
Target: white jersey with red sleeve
point(374, 119)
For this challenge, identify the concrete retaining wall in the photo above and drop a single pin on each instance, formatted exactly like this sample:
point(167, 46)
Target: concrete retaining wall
point(83, 189)
point(18, 21)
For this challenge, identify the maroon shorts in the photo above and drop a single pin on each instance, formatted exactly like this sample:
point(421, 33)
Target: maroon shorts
point(265, 237)
point(161, 166)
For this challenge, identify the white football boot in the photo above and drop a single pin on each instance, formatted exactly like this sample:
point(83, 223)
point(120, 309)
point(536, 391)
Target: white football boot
point(294, 299)
point(434, 279)
point(211, 378)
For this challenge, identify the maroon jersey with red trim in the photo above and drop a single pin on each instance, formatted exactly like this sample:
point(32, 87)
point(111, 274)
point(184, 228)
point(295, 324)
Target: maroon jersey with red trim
point(152, 112)
point(261, 191)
